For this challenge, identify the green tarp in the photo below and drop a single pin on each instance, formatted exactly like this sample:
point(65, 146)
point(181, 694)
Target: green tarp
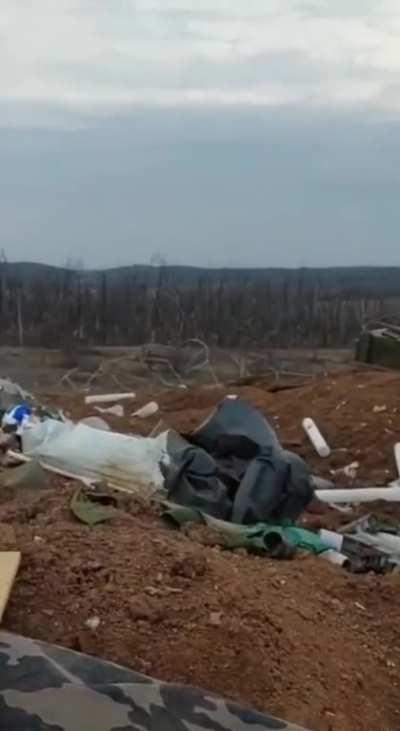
point(278, 541)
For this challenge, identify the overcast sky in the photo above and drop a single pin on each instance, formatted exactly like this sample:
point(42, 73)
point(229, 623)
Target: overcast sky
point(207, 132)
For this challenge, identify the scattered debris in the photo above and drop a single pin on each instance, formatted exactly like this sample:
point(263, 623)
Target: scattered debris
point(16, 418)
point(146, 411)
point(349, 470)
point(232, 454)
point(117, 410)
point(379, 409)
point(316, 437)
point(107, 398)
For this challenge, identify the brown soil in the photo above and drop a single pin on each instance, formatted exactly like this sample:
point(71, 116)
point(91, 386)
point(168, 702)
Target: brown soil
point(301, 639)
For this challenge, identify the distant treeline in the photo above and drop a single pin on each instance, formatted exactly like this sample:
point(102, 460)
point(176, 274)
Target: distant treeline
point(53, 307)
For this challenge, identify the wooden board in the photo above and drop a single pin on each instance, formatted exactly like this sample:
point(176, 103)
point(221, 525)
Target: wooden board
point(9, 564)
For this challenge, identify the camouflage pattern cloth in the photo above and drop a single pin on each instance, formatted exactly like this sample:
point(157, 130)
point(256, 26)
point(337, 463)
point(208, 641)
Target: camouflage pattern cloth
point(47, 688)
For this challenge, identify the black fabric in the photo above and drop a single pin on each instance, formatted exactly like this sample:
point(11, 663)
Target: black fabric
point(192, 479)
point(235, 469)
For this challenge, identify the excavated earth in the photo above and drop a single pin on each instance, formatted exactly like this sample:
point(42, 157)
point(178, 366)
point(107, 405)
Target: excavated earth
point(301, 639)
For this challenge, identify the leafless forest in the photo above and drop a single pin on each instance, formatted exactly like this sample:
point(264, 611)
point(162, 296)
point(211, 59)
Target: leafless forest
point(53, 307)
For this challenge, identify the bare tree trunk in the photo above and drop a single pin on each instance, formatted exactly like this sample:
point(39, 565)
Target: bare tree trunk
point(19, 317)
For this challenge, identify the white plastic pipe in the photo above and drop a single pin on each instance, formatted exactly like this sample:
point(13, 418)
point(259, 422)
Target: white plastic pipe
point(397, 456)
point(359, 495)
point(385, 541)
point(331, 539)
point(335, 557)
point(107, 398)
point(148, 410)
point(316, 438)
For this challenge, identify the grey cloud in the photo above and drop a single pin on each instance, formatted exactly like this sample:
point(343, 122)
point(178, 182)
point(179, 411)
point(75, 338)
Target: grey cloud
point(216, 188)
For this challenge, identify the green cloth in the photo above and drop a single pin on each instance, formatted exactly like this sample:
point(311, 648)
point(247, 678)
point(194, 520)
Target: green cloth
point(85, 506)
point(279, 541)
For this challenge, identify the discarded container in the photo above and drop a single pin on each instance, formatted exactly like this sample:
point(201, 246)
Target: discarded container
point(316, 438)
point(148, 410)
point(107, 398)
point(17, 417)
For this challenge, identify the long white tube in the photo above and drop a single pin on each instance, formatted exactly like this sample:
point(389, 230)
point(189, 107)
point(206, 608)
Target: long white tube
point(316, 438)
point(384, 541)
point(107, 398)
point(360, 495)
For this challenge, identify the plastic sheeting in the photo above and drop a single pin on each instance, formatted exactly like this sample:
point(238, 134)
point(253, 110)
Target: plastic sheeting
point(121, 460)
point(235, 469)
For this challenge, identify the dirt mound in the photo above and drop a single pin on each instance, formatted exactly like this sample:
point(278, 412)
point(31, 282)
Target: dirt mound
point(301, 639)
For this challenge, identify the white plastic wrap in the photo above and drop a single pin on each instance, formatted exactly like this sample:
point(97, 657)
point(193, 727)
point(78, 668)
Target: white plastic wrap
point(120, 459)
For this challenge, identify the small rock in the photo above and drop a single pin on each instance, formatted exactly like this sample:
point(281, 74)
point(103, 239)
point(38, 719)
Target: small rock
point(92, 623)
point(190, 567)
point(140, 610)
point(359, 606)
point(215, 619)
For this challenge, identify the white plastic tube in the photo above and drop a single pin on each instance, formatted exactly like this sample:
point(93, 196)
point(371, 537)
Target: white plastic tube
point(107, 398)
point(316, 438)
point(335, 557)
point(385, 541)
point(148, 410)
point(397, 456)
point(359, 495)
point(331, 539)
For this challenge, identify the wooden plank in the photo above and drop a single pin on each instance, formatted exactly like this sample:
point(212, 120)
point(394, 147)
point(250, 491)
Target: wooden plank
point(9, 564)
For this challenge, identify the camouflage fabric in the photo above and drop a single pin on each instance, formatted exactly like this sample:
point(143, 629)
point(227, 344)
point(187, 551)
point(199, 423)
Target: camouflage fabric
point(47, 688)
